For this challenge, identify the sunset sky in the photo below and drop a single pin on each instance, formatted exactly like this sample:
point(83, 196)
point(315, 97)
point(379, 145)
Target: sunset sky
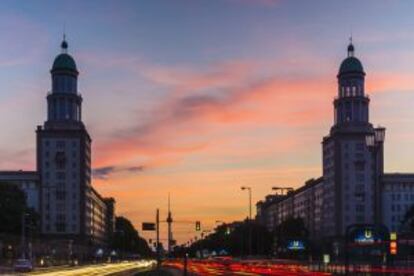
point(200, 97)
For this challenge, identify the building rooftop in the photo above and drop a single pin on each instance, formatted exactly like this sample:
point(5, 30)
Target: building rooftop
point(19, 175)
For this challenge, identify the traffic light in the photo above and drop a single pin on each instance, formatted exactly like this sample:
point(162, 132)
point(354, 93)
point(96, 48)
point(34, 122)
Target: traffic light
point(393, 243)
point(198, 226)
point(393, 247)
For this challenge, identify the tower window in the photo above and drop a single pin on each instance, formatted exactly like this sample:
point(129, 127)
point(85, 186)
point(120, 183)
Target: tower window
point(60, 144)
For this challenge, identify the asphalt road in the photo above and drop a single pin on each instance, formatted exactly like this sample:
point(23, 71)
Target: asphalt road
point(97, 269)
point(244, 268)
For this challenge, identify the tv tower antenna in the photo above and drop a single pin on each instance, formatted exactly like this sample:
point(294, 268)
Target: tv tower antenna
point(169, 222)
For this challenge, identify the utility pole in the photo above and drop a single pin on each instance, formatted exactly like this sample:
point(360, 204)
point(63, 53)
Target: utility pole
point(169, 221)
point(157, 219)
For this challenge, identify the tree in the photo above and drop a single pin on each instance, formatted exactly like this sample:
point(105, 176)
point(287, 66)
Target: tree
point(12, 207)
point(290, 229)
point(127, 239)
point(233, 238)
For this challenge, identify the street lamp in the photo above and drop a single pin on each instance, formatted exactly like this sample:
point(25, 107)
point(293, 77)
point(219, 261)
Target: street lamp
point(249, 189)
point(374, 142)
point(23, 233)
point(250, 199)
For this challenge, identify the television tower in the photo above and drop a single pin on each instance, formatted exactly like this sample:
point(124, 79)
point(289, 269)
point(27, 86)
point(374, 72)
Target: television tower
point(169, 222)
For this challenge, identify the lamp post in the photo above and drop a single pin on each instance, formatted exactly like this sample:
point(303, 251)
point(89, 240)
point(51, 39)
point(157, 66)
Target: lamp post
point(23, 233)
point(250, 200)
point(249, 189)
point(374, 142)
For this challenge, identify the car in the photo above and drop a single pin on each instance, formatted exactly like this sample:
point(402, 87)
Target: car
point(23, 265)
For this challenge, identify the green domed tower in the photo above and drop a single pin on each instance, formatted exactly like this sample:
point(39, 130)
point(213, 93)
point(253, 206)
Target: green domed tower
point(64, 102)
point(351, 105)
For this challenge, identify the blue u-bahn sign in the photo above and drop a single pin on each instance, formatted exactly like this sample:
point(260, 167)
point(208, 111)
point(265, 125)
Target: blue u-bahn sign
point(296, 245)
point(368, 234)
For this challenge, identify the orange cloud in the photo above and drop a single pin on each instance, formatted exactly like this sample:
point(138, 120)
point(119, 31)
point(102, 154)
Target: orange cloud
point(277, 102)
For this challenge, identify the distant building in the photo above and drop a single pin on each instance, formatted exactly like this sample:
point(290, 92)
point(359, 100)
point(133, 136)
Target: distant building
point(305, 202)
point(397, 198)
point(354, 188)
point(28, 182)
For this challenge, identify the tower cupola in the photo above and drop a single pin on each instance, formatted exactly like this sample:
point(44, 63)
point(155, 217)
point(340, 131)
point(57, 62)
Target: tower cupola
point(351, 105)
point(64, 102)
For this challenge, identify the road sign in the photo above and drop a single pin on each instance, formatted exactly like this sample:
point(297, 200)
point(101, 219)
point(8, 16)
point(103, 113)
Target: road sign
point(148, 226)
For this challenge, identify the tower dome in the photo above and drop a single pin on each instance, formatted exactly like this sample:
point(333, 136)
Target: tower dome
point(64, 61)
point(351, 64)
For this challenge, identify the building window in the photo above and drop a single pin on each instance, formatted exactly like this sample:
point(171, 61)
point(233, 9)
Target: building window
point(60, 195)
point(359, 146)
point(61, 175)
point(359, 218)
point(360, 208)
point(60, 227)
point(60, 160)
point(60, 144)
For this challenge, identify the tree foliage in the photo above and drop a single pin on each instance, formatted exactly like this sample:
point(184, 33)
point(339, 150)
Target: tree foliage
point(12, 207)
point(234, 239)
point(291, 228)
point(127, 239)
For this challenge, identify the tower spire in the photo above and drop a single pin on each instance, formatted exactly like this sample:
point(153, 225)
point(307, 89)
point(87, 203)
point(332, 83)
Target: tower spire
point(64, 44)
point(351, 48)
